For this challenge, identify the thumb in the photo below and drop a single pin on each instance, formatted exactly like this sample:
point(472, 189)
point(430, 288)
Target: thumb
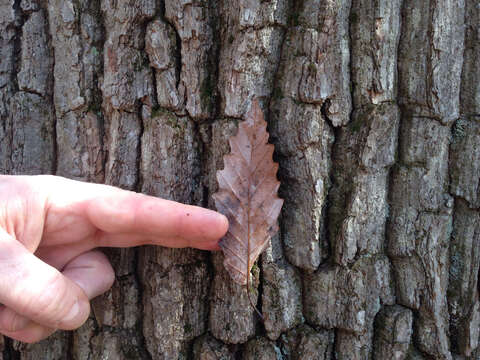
point(38, 291)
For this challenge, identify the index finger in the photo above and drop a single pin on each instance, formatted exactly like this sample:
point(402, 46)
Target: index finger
point(130, 219)
point(103, 215)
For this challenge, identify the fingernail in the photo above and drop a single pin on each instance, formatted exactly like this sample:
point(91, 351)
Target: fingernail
point(73, 313)
point(77, 315)
point(222, 217)
point(225, 221)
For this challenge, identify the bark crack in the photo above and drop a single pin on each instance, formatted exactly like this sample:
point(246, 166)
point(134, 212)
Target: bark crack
point(140, 334)
point(50, 92)
point(10, 353)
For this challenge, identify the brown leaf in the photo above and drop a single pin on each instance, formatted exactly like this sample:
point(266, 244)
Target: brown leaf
point(247, 195)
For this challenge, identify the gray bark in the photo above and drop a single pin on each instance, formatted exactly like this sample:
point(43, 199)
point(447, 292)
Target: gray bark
point(374, 110)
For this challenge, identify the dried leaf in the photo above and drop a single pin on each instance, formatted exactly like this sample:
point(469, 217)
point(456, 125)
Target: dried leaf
point(247, 195)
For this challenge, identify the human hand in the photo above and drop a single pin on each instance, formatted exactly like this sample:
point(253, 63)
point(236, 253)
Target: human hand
point(49, 227)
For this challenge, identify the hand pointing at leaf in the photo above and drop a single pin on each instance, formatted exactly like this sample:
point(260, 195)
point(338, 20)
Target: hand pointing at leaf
point(49, 228)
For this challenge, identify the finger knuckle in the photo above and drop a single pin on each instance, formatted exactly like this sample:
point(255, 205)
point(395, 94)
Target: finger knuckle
point(10, 321)
point(52, 301)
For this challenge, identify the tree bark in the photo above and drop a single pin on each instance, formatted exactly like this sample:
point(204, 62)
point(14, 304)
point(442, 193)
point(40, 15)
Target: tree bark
point(374, 110)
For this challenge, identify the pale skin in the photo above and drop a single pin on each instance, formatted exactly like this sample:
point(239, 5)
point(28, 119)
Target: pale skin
point(49, 230)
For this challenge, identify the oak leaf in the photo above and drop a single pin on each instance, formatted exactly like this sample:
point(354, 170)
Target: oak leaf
point(247, 195)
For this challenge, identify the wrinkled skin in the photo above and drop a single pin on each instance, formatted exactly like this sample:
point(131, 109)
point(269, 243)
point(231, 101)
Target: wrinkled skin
point(49, 229)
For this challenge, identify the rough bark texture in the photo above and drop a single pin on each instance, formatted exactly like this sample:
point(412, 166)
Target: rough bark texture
point(374, 110)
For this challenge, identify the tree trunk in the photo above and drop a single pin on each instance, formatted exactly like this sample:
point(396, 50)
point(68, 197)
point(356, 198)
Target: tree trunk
point(374, 110)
